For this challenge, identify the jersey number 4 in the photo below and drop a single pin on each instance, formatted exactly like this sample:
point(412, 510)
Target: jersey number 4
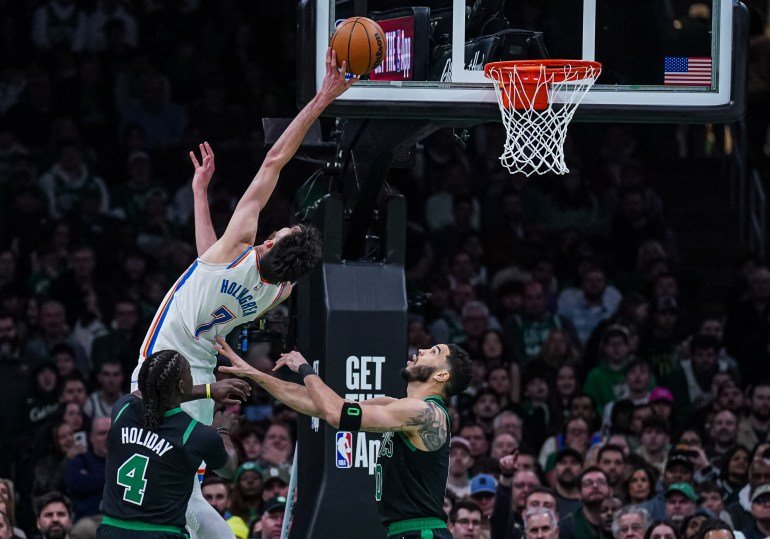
point(221, 316)
point(131, 476)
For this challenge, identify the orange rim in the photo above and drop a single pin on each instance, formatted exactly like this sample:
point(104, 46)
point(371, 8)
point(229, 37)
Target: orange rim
point(531, 70)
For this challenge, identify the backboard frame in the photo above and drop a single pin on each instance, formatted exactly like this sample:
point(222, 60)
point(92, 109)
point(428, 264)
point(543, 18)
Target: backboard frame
point(470, 100)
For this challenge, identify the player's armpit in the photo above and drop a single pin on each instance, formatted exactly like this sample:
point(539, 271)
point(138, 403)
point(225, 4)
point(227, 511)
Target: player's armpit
point(425, 419)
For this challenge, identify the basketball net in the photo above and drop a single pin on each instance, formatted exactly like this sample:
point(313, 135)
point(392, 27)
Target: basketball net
point(536, 127)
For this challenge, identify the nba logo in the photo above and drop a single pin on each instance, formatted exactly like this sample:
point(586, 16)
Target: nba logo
point(344, 449)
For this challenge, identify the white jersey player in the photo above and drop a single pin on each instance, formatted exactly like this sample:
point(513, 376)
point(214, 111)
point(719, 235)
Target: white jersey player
point(234, 281)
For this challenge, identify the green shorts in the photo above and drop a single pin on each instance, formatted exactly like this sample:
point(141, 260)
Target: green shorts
point(419, 528)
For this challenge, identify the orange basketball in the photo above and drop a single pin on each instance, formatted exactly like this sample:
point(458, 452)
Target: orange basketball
point(360, 42)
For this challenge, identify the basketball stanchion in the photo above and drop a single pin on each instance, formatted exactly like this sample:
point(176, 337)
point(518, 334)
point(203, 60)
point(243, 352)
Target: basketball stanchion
point(536, 126)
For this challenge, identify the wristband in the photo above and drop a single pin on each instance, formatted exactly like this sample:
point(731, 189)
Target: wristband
point(208, 391)
point(350, 417)
point(305, 370)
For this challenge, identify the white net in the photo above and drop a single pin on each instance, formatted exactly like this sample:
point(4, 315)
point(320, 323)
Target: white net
point(536, 127)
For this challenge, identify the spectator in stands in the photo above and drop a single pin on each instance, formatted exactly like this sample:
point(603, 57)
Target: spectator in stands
point(110, 380)
point(51, 467)
point(603, 380)
point(483, 488)
point(661, 529)
point(760, 513)
point(60, 24)
point(485, 407)
point(610, 506)
point(723, 434)
point(460, 462)
point(540, 523)
point(564, 480)
point(740, 511)
point(612, 462)
point(756, 427)
point(654, 441)
point(691, 383)
point(162, 120)
point(277, 446)
point(586, 522)
point(42, 399)
point(54, 516)
point(85, 481)
point(216, 491)
point(503, 444)
point(586, 307)
point(680, 502)
point(67, 183)
point(276, 482)
point(679, 469)
point(526, 333)
point(746, 326)
point(246, 496)
point(734, 472)
point(54, 331)
point(465, 520)
point(639, 486)
point(272, 517)
point(474, 433)
point(123, 338)
point(631, 522)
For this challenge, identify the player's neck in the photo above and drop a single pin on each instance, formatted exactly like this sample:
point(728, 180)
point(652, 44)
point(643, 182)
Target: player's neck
point(416, 390)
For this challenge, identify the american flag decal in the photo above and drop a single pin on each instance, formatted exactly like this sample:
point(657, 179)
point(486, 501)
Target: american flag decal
point(687, 71)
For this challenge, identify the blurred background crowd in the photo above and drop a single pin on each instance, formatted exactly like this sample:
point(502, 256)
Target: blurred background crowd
point(624, 375)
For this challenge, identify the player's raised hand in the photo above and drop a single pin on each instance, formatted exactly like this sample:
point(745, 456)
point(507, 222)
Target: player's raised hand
point(334, 83)
point(293, 360)
point(230, 391)
point(239, 366)
point(204, 170)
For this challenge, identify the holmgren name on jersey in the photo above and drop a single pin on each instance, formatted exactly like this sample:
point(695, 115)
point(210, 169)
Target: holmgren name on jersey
point(149, 439)
point(241, 294)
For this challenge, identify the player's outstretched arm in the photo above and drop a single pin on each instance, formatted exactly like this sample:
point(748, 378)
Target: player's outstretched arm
point(295, 396)
point(423, 418)
point(242, 229)
point(205, 236)
point(230, 391)
point(224, 424)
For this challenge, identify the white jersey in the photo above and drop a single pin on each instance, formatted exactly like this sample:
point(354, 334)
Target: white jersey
point(207, 301)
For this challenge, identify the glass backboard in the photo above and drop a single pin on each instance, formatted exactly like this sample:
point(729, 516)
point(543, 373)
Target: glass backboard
point(663, 60)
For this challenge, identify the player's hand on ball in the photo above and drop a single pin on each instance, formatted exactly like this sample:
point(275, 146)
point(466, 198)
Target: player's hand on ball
point(293, 360)
point(225, 421)
point(334, 83)
point(239, 366)
point(204, 170)
point(230, 391)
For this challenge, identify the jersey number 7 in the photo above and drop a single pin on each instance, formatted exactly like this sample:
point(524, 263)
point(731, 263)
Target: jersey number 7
point(221, 316)
point(131, 476)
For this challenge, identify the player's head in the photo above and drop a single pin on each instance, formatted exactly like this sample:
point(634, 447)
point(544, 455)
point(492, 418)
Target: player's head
point(446, 365)
point(290, 253)
point(164, 379)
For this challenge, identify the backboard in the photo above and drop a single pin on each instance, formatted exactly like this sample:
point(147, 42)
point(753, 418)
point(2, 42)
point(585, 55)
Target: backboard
point(663, 60)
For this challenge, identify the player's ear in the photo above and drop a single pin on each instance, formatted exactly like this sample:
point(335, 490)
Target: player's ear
point(269, 244)
point(441, 375)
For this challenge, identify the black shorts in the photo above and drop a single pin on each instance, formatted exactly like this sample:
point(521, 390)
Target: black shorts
point(438, 533)
point(111, 532)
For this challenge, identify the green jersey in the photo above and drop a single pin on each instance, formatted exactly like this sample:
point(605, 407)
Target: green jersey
point(150, 474)
point(411, 482)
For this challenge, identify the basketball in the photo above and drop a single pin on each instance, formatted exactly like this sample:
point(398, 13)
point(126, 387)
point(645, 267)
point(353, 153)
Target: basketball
point(360, 42)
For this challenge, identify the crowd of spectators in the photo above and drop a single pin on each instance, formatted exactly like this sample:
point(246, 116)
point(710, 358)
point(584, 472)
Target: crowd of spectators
point(626, 399)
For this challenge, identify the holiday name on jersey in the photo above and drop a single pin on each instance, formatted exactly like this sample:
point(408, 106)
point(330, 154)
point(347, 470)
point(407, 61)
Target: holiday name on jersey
point(241, 294)
point(149, 439)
